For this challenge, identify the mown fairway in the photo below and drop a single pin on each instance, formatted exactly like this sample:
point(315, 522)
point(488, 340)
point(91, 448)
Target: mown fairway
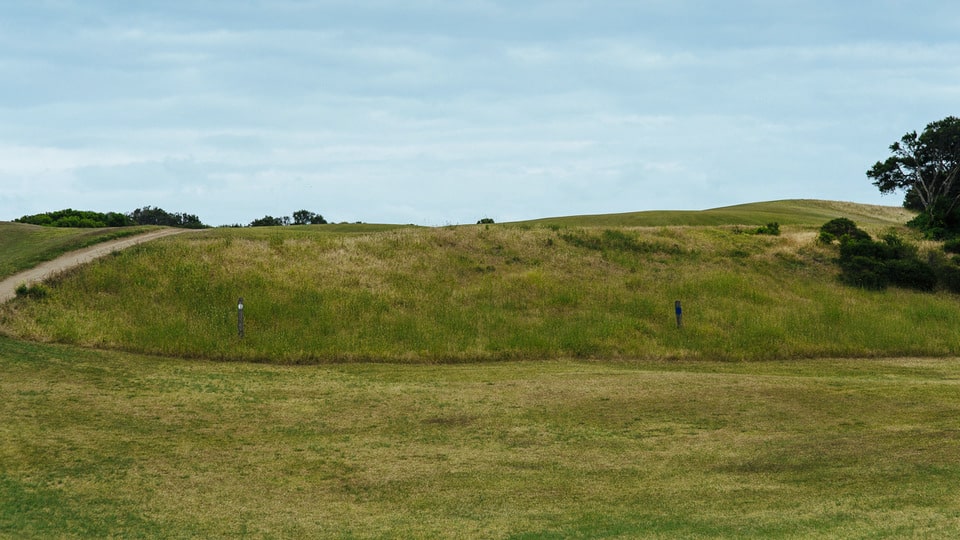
point(98, 444)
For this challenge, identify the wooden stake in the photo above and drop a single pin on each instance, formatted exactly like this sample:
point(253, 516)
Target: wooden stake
point(240, 317)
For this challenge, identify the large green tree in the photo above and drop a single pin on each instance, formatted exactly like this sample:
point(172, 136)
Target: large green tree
point(927, 168)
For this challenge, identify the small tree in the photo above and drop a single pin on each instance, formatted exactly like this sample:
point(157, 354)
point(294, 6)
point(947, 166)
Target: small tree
point(927, 167)
point(306, 217)
point(158, 216)
point(267, 221)
point(837, 229)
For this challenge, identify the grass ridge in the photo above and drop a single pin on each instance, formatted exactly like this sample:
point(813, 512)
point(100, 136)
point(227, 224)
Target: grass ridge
point(485, 292)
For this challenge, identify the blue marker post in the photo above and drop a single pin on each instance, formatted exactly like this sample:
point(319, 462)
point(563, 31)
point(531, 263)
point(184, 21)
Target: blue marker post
point(679, 311)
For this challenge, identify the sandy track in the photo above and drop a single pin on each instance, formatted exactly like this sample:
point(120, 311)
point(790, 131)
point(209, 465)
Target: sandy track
point(44, 270)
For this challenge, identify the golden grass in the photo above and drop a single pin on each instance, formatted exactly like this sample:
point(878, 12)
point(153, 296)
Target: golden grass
point(645, 435)
point(484, 293)
point(802, 212)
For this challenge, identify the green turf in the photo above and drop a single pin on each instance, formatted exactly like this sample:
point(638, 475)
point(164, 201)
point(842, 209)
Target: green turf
point(786, 212)
point(99, 444)
point(616, 424)
point(489, 292)
point(24, 246)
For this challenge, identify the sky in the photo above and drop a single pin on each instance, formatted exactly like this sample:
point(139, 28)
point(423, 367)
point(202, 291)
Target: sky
point(438, 112)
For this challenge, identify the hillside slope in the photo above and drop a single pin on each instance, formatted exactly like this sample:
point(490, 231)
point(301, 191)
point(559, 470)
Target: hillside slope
point(24, 246)
point(484, 293)
point(74, 258)
point(806, 212)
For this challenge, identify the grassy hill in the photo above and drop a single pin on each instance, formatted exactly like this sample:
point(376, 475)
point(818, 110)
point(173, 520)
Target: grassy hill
point(806, 212)
point(23, 246)
point(519, 291)
point(623, 442)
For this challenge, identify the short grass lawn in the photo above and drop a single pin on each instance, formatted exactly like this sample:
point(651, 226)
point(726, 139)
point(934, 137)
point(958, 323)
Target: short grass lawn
point(103, 444)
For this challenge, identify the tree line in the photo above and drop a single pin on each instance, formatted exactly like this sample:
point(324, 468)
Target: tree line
point(149, 215)
point(87, 219)
point(300, 217)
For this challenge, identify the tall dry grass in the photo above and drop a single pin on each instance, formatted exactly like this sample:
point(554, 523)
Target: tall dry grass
point(484, 293)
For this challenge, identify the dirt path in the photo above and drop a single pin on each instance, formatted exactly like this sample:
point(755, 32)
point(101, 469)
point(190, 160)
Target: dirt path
point(44, 270)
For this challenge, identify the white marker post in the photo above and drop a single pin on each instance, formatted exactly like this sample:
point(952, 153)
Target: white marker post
point(240, 317)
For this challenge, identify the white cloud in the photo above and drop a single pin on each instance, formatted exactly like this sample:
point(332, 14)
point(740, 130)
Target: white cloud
point(30, 160)
point(435, 111)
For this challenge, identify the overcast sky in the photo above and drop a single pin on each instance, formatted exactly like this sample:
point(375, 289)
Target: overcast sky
point(441, 112)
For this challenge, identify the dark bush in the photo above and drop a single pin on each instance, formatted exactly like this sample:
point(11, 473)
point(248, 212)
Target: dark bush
point(850, 248)
point(948, 275)
point(866, 272)
point(898, 249)
point(875, 265)
point(837, 229)
point(772, 229)
point(911, 274)
point(939, 221)
point(952, 246)
point(37, 291)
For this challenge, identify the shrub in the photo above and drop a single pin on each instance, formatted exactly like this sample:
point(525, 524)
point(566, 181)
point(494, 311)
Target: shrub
point(37, 291)
point(875, 265)
point(772, 229)
point(952, 246)
point(850, 248)
point(837, 229)
point(866, 272)
point(897, 248)
point(939, 221)
point(948, 274)
point(911, 274)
